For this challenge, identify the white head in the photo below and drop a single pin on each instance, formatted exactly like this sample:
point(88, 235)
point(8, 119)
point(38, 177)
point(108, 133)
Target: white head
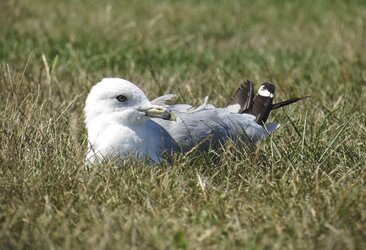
point(115, 96)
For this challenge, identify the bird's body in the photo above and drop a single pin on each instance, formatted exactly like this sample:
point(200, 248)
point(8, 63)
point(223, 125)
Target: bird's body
point(122, 121)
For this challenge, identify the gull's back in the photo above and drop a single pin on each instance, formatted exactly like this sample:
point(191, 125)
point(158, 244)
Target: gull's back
point(208, 127)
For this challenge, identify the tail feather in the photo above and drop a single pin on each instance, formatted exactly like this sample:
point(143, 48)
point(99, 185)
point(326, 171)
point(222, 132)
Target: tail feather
point(271, 127)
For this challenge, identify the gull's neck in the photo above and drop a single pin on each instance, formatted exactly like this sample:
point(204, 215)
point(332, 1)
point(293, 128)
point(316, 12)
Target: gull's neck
point(120, 134)
point(98, 123)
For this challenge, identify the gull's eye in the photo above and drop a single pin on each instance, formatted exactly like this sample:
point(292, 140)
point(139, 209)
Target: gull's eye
point(121, 98)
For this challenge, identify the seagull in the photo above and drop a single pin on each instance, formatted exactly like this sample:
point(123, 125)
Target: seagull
point(122, 121)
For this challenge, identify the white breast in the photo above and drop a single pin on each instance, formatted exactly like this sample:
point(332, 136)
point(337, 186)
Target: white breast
point(120, 140)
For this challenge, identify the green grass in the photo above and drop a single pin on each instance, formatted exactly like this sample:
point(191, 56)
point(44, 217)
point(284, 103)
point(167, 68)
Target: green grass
point(309, 192)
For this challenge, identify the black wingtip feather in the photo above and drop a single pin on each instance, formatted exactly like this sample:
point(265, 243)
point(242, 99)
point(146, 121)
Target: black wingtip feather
point(259, 106)
point(243, 96)
point(287, 102)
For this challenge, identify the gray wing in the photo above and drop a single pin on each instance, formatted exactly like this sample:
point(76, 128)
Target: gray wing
point(159, 134)
point(203, 129)
point(210, 127)
point(245, 124)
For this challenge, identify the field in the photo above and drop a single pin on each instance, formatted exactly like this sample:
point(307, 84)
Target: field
point(304, 189)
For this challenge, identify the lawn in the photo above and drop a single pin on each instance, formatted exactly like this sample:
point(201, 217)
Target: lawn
point(305, 188)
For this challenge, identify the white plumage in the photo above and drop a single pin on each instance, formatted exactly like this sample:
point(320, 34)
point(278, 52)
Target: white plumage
point(121, 120)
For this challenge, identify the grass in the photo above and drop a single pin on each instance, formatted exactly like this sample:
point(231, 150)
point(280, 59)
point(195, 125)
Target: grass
point(309, 192)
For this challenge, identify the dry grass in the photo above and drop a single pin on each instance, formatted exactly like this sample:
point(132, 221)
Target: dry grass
point(308, 193)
